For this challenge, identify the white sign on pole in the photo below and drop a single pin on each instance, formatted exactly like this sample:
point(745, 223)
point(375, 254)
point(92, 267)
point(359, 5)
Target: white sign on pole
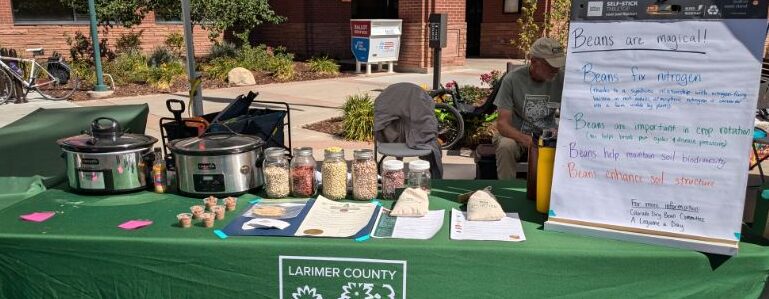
point(656, 125)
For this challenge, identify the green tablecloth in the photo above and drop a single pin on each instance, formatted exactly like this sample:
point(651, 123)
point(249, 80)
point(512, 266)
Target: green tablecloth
point(15, 189)
point(29, 148)
point(80, 253)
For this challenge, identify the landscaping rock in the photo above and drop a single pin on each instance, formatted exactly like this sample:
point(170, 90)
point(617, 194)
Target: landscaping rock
point(241, 77)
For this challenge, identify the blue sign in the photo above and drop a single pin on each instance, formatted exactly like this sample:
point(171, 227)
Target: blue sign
point(360, 48)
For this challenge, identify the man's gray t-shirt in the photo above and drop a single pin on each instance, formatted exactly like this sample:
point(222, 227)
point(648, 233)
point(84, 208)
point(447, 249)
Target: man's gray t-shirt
point(529, 99)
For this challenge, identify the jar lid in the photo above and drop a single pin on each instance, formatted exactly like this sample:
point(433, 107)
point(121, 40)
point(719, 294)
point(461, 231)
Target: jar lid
point(334, 152)
point(363, 154)
point(216, 144)
point(106, 139)
point(393, 165)
point(275, 152)
point(303, 151)
point(419, 165)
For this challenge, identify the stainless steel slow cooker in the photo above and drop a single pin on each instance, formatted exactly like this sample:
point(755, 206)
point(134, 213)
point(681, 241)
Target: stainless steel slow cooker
point(218, 164)
point(106, 160)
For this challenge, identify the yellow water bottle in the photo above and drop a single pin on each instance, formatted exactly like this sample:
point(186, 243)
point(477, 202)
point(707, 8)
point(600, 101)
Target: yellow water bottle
point(545, 163)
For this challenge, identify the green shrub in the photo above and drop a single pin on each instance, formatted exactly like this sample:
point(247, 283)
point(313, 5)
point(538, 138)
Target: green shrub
point(282, 68)
point(129, 42)
point(323, 65)
point(358, 119)
point(255, 58)
point(160, 56)
point(175, 42)
point(84, 70)
point(219, 67)
point(223, 49)
point(128, 67)
point(81, 47)
point(163, 76)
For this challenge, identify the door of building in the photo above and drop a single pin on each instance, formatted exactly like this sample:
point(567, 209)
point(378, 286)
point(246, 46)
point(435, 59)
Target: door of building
point(474, 17)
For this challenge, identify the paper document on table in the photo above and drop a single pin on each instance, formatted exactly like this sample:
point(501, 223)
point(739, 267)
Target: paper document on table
point(508, 229)
point(419, 228)
point(328, 218)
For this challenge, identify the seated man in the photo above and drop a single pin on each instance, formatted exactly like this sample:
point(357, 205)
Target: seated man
point(523, 100)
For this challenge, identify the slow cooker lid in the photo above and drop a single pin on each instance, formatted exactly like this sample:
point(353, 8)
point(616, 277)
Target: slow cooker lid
point(106, 139)
point(217, 144)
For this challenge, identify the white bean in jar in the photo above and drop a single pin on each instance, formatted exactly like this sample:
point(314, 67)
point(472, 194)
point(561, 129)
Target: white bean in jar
point(276, 181)
point(364, 176)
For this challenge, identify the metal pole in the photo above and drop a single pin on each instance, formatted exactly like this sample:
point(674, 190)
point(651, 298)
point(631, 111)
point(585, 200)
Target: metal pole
point(96, 51)
point(196, 92)
point(436, 68)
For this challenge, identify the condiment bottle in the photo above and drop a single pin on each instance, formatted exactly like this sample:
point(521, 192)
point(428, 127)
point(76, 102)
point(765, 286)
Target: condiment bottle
point(159, 172)
point(419, 175)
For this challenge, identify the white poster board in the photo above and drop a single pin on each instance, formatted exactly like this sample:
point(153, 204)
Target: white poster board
point(655, 130)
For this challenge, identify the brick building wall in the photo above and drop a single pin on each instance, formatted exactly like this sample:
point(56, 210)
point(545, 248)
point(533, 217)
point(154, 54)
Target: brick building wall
point(312, 27)
point(499, 28)
point(53, 37)
point(315, 27)
point(415, 54)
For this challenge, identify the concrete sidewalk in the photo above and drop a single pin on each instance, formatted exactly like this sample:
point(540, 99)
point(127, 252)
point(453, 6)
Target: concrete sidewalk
point(310, 101)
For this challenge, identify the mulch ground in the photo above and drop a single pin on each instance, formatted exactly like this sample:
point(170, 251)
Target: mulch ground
point(333, 126)
point(302, 70)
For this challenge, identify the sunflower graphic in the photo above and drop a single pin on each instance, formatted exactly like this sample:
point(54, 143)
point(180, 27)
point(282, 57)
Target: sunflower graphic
point(357, 290)
point(306, 293)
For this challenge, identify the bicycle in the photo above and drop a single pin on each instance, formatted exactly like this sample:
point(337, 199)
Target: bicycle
point(452, 111)
point(53, 79)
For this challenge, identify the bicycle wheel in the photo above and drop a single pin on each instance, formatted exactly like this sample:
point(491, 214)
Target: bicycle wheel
point(6, 87)
point(451, 125)
point(55, 81)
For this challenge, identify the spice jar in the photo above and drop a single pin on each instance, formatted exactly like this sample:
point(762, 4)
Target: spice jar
point(392, 178)
point(419, 175)
point(334, 174)
point(364, 176)
point(275, 169)
point(303, 173)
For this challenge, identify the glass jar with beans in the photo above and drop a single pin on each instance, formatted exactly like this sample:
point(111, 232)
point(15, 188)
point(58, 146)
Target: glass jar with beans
point(334, 174)
point(303, 173)
point(364, 175)
point(276, 173)
point(393, 178)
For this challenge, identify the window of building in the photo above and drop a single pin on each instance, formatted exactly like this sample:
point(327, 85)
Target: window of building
point(45, 11)
point(512, 6)
point(170, 15)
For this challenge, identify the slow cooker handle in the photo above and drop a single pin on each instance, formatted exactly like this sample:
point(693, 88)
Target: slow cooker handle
point(112, 131)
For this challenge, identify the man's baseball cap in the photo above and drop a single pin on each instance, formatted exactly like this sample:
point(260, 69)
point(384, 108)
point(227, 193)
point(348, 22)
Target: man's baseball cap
point(549, 50)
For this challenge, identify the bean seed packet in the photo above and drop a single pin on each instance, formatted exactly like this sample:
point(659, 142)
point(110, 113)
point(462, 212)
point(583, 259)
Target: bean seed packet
point(483, 206)
point(413, 202)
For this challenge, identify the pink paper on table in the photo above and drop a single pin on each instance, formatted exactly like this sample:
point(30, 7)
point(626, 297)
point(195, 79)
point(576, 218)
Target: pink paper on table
point(37, 216)
point(134, 224)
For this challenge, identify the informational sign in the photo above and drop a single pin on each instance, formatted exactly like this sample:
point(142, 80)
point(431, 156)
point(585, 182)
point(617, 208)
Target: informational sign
point(375, 40)
point(334, 277)
point(657, 121)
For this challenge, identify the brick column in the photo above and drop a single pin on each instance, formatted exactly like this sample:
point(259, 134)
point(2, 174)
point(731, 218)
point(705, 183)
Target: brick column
point(415, 53)
point(6, 15)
